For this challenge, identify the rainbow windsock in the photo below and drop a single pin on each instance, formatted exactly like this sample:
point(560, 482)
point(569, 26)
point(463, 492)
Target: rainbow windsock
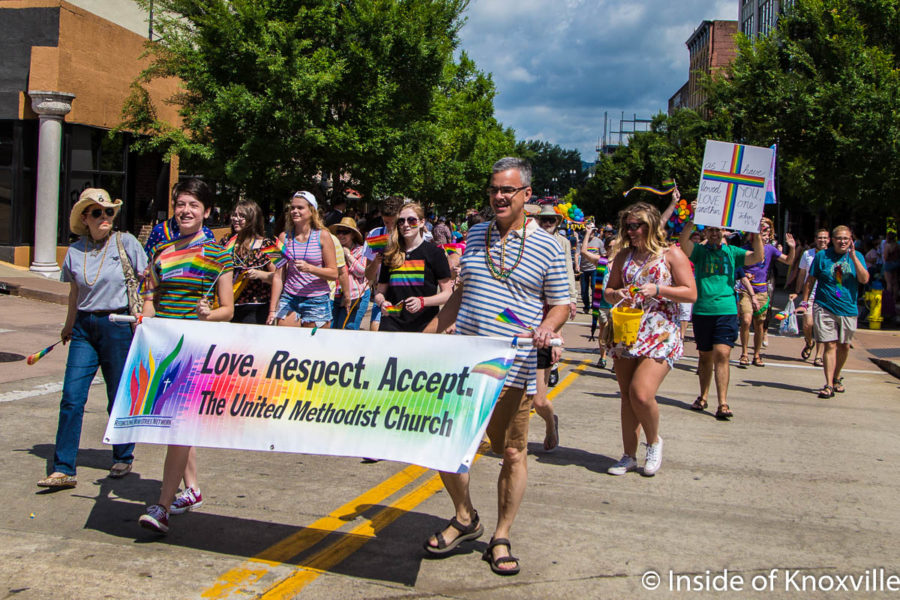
point(229, 245)
point(40, 354)
point(378, 242)
point(667, 186)
point(508, 316)
point(391, 309)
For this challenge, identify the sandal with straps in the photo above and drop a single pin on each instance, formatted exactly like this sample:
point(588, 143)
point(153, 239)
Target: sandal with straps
point(807, 350)
point(838, 385)
point(472, 531)
point(744, 361)
point(502, 560)
point(699, 404)
point(826, 392)
point(723, 413)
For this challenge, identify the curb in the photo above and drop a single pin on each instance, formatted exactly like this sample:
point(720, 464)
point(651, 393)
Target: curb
point(23, 291)
point(888, 366)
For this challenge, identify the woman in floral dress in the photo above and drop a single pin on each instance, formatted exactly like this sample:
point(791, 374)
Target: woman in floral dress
point(650, 275)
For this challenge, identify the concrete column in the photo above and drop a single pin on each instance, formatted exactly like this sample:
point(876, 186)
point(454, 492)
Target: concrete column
point(52, 107)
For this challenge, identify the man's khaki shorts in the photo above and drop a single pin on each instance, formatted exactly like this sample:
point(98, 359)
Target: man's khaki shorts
point(828, 327)
point(746, 307)
point(508, 427)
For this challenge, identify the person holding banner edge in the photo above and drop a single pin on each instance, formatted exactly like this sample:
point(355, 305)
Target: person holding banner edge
point(509, 263)
point(714, 316)
point(183, 293)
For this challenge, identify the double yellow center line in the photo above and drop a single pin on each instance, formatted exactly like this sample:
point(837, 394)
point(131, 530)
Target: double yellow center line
point(251, 571)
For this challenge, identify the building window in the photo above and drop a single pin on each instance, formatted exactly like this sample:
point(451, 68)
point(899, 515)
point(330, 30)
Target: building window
point(747, 26)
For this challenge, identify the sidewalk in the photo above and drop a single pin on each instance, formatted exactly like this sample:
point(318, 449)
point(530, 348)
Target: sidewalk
point(19, 281)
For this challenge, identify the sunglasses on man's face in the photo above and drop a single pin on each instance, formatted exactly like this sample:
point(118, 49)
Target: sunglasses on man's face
point(411, 221)
point(109, 212)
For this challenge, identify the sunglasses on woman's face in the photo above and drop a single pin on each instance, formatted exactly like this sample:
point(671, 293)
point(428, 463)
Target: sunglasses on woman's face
point(411, 221)
point(633, 226)
point(109, 212)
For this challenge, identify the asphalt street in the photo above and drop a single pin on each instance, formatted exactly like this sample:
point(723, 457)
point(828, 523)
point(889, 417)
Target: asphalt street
point(795, 497)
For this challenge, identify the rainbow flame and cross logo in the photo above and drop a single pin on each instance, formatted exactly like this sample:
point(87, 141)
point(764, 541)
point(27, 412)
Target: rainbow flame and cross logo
point(735, 180)
point(146, 377)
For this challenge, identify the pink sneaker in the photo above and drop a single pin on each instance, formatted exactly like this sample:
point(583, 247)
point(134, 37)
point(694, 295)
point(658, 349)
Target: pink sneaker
point(155, 519)
point(185, 501)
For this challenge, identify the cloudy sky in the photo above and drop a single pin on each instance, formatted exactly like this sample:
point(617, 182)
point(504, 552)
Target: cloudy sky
point(559, 64)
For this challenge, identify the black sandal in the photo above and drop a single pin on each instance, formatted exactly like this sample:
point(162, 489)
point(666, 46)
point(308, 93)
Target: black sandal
point(807, 350)
point(723, 413)
point(496, 562)
point(699, 404)
point(472, 531)
point(826, 392)
point(838, 385)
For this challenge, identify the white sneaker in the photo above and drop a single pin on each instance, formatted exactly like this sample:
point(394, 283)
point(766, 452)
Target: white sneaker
point(186, 500)
point(654, 457)
point(625, 464)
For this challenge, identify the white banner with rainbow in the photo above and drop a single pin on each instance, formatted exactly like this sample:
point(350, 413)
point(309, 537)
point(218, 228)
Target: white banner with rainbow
point(411, 397)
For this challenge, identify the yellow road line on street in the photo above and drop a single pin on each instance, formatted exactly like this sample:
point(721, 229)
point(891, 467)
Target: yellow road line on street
point(310, 569)
point(254, 569)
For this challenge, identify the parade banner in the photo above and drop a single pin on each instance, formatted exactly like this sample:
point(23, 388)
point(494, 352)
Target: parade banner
point(733, 184)
point(416, 398)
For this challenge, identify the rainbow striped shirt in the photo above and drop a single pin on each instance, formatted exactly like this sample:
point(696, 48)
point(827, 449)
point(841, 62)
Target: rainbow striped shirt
point(182, 272)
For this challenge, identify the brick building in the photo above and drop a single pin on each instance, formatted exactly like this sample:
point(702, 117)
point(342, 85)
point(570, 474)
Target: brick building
point(712, 48)
point(65, 74)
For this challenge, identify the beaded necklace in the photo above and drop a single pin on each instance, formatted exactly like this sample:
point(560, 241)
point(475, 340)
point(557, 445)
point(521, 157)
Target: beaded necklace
point(501, 274)
point(94, 253)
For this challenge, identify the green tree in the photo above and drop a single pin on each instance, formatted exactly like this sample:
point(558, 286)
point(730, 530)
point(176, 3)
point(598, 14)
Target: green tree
point(825, 86)
point(442, 160)
point(276, 92)
point(555, 170)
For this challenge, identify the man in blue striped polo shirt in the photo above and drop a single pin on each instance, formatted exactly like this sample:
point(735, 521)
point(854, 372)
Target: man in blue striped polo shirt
point(509, 262)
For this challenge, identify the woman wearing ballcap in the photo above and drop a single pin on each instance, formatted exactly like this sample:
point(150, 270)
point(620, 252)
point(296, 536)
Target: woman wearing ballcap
point(93, 268)
point(355, 257)
point(300, 291)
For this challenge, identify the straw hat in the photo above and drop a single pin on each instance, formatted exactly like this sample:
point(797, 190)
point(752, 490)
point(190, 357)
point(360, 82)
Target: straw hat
point(88, 197)
point(348, 223)
point(547, 211)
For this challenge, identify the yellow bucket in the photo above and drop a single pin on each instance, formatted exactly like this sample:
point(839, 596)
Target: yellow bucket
point(626, 323)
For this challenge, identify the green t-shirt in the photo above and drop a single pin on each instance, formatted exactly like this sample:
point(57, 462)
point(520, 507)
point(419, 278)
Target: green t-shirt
point(714, 270)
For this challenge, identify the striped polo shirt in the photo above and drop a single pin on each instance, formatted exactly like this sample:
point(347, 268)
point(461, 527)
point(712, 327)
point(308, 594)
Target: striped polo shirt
point(539, 279)
point(183, 271)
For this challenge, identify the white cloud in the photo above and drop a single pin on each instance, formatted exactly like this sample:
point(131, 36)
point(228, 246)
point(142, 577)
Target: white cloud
point(559, 64)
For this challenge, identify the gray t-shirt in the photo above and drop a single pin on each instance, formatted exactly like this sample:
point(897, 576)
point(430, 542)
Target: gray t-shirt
point(104, 288)
point(595, 242)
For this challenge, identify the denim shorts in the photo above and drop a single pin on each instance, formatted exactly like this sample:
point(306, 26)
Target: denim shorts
point(308, 309)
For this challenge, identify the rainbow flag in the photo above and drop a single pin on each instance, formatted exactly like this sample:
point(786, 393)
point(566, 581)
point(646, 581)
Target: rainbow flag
point(735, 180)
point(667, 186)
point(391, 309)
point(508, 316)
point(454, 248)
point(229, 245)
point(496, 368)
point(40, 354)
point(770, 186)
point(276, 252)
point(378, 243)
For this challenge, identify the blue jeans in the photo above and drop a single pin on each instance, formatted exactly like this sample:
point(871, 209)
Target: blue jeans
point(96, 342)
point(356, 315)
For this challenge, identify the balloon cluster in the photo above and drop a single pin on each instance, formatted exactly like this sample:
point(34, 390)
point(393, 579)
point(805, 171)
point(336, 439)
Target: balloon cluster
point(680, 216)
point(569, 212)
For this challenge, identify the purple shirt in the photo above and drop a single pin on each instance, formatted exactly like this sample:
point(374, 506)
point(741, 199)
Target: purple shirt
point(759, 272)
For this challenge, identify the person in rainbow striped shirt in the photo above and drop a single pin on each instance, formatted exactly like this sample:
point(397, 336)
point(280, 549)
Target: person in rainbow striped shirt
point(183, 274)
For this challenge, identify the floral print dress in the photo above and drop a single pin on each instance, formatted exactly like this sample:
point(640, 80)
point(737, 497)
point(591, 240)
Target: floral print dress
point(659, 336)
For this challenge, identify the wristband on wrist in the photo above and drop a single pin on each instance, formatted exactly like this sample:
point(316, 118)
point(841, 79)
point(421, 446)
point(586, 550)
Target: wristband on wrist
point(657, 289)
point(422, 300)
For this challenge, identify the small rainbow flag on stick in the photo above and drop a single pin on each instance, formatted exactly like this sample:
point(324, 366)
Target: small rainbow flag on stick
point(378, 242)
point(276, 252)
point(496, 368)
point(454, 248)
point(508, 316)
point(667, 186)
point(392, 309)
point(41, 354)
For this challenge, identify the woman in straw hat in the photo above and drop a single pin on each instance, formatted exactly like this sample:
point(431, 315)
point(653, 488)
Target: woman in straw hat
point(94, 269)
point(355, 257)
